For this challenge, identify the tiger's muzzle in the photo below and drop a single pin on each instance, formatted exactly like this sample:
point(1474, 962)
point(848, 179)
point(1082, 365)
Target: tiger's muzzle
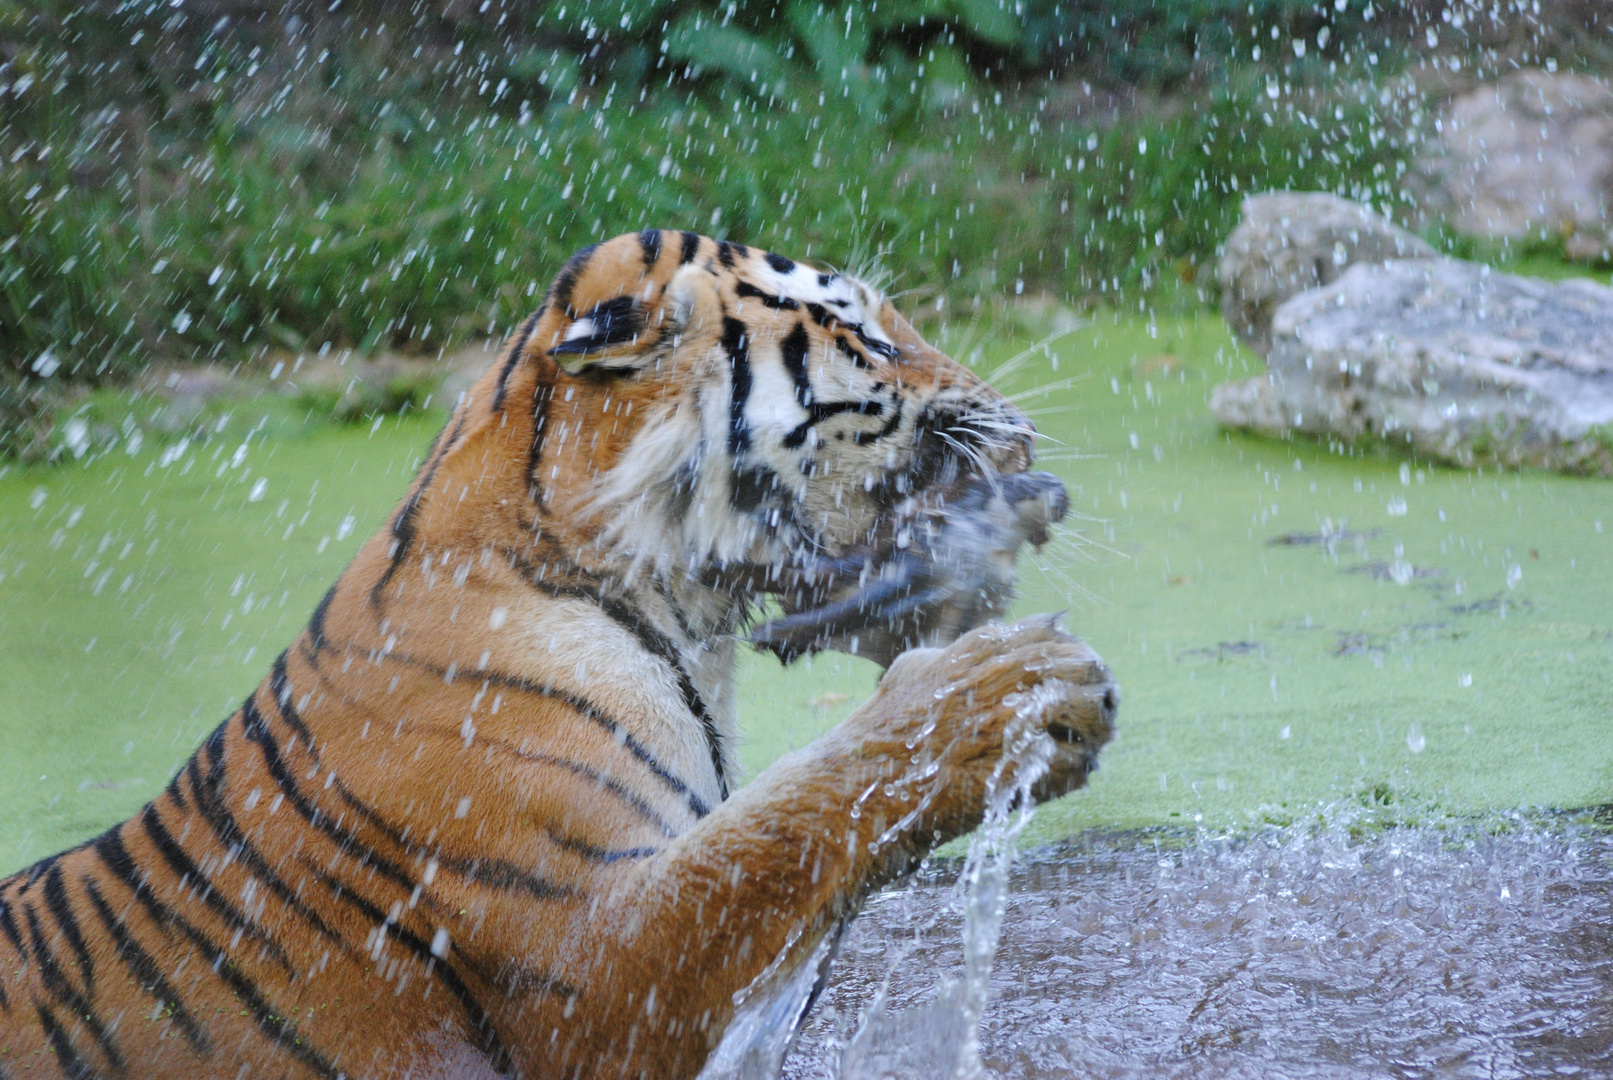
point(940, 559)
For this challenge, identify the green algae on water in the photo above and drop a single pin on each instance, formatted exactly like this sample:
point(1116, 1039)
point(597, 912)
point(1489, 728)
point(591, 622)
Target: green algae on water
point(1290, 626)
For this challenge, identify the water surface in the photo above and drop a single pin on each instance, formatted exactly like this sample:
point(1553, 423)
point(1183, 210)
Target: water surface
point(1457, 949)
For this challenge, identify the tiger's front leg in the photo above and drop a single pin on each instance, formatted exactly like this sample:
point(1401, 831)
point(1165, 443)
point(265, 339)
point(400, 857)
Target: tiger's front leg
point(655, 965)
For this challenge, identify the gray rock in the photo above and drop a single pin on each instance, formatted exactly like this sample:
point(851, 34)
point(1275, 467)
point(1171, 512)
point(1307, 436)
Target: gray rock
point(1290, 241)
point(1447, 358)
point(1529, 157)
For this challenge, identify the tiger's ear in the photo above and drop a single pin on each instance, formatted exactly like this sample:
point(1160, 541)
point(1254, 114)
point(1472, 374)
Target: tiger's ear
point(610, 334)
point(625, 333)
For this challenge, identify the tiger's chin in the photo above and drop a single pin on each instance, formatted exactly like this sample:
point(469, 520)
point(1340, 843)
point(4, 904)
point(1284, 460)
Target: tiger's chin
point(938, 564)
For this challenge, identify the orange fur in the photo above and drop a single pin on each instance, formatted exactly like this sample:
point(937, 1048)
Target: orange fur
point(477, 818)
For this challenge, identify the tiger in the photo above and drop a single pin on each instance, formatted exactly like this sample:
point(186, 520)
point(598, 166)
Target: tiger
point(482, 817)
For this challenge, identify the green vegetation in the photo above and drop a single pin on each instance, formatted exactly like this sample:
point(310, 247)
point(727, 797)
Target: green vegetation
point(1424, 641)
point(210, 181)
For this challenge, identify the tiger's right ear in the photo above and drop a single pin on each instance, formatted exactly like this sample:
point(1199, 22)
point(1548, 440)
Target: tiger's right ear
point(625, 332)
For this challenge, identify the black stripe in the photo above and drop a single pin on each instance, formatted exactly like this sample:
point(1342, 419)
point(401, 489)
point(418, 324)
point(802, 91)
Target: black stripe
point(777, 303)
point(829, 320)
point(659, 645)
point(678, 616)
point(780, 263)
point(691, 248)
point(598, 854)
point(146, 971)
point(173, 792)
point(316, 623)
point(820, 411)
point(889, 352)
point(863, 438)
point(57, 904)
point(256, 729)
point(650, 241)
point(280, 690)
point(403, 524)
point(8, 924)
point(441, 969)
point(512, 357)
point(596, 777)
point(560, 291)
point(853, 355)
point(505, 876)
point(542, 394)
point(725, 253)
point(281, 1032)
point(67, 1058)
point(50, 974)
point(735, 344)
point(794, 350)
point(180, 862)
point(210, 802)
point(31, 875)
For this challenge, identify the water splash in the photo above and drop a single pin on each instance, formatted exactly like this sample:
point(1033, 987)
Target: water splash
point(941, 1039)
point(768, 1014)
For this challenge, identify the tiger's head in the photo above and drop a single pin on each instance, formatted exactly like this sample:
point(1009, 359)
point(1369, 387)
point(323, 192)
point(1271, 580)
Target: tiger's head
point(698, 411)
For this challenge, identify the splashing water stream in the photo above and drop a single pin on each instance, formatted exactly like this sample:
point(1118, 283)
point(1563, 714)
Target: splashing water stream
point(941, 1039)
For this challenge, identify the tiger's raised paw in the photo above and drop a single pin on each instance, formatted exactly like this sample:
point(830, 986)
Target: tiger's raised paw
point(949, 716)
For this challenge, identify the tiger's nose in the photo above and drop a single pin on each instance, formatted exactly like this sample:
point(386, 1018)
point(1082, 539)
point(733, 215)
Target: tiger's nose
point(1038, 499)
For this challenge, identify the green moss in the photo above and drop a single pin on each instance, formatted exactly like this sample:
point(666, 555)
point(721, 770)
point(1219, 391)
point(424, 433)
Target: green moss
point(140, 602)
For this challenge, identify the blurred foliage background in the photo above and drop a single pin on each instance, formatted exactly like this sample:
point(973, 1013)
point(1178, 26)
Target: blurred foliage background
point(191, 179)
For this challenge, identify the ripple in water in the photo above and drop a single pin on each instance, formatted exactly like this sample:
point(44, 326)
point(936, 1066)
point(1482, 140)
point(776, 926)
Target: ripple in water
point(1457, 950)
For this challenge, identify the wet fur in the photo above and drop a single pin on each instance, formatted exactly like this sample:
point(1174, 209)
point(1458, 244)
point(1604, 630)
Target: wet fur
point(479, 818)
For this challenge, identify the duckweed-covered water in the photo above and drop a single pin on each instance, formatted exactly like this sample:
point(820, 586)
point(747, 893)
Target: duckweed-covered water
point(1289, 626)
point(1459, 949)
